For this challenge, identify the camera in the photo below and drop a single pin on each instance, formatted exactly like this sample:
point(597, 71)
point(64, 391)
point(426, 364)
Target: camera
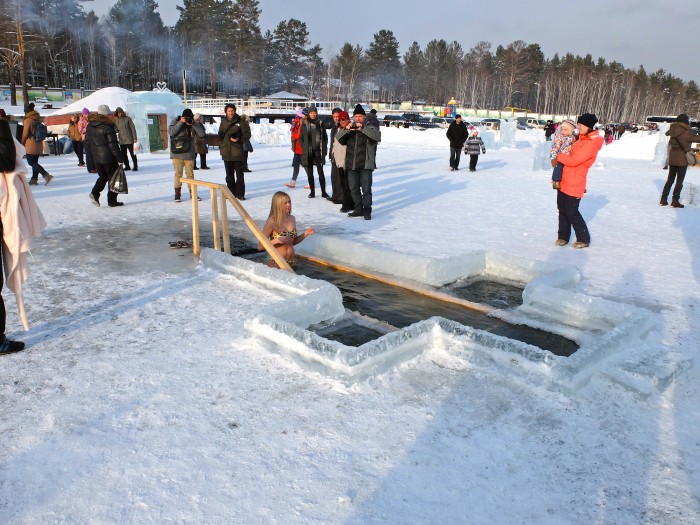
point(353, 126)
point(189, 120)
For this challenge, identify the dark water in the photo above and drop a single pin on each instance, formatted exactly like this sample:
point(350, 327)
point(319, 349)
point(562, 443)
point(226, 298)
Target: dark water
point(497, 294)
point(400, 307)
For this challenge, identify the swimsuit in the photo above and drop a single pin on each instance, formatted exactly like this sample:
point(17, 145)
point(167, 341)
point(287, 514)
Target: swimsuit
point(276, 235)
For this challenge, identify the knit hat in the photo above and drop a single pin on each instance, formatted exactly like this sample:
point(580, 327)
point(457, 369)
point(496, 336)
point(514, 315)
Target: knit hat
point(588, 119)
point(458, 116)
point(85, 111)
point(312, 109)
point(343, 115)
point(305, 112)
point(359, 110)
point(300, 112)
point(188, 113)
point(118, 110)
point(683, 118)
point(197, 116)
point(103, 109)
point(373, 111)
point(569, 122)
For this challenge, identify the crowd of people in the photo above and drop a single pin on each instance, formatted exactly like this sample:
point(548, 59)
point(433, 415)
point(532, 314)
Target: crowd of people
point(106, 140)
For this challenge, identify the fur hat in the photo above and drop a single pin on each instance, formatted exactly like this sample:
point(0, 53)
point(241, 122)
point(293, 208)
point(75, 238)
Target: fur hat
point(103, 109)
point(683, 118)
point(359, 110)
point(188, 113)
point(343, 115)
point(588, 119)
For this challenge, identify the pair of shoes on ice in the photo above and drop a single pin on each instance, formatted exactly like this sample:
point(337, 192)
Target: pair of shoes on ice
point(179, 244)
point(578, 244)
point(96, 201)
point(291, 184)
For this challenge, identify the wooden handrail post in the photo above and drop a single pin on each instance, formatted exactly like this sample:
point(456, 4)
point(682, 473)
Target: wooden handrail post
point(224, 224)
point(215, 219)
point(227, 195)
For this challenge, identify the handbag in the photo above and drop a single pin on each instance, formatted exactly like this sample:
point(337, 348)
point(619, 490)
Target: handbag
point(181, 144)
point(247, 146)
point(690, 157)
point(117, 183)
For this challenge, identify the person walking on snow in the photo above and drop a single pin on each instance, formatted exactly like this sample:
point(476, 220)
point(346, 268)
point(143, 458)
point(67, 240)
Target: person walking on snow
point(102, 136)
point(457, 134)
point(34, 147)
point(473, 147)
point(126, 131)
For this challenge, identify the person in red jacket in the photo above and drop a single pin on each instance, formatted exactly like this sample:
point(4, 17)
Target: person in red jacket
point(296, 146)
point(573, 182)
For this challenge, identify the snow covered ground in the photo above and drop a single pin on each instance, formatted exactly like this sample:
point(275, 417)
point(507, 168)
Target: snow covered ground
point(140, 400)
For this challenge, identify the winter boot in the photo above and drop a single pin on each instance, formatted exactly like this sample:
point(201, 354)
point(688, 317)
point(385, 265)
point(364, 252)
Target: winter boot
point(136, 164)
point(178, 194)
point(203, 162)
point(663, 201)
point(676, 204)
point(34, 181)
point(10, 347)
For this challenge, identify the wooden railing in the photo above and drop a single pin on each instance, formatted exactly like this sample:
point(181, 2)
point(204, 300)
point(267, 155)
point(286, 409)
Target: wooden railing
point(219, 218)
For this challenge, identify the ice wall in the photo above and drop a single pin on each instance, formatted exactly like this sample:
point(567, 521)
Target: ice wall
point(603, 328)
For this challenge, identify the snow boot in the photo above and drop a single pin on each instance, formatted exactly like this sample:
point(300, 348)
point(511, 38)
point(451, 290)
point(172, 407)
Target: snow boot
point(676, 204)
point(178, 194)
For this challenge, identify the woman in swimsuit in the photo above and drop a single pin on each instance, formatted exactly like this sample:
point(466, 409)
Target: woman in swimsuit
point(281, 228)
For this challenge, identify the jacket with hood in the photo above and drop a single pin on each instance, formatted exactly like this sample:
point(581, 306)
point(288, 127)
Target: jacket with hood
point(102, 136)
point(126, 130)
point(313, 140)
point(576, 163)
point(32, 146)
point(681, 139)
point(361, 152)
point(235, 127)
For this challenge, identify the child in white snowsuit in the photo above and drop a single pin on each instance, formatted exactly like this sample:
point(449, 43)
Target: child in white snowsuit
point(561, 143)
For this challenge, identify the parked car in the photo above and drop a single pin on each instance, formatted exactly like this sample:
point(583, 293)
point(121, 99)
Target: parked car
point(393, 120)
point(522, 123)
point(442, 122)
point(491, 123)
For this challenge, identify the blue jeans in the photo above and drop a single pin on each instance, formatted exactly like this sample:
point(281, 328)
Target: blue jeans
point(557, 172)
point(33, 161)
point(360, 180)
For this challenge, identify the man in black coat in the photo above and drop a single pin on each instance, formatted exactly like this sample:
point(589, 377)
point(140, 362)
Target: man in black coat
point(102, 135)
point(457, 134)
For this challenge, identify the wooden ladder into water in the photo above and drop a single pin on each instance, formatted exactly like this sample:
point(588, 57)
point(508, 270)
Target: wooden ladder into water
point(220, 194)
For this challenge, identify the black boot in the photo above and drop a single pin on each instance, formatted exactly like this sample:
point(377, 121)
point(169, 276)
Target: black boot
point(10, 347)
point(136, 164)
point(676, 204)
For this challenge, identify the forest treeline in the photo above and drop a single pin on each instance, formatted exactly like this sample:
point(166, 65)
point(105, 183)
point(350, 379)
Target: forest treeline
point(221, 47)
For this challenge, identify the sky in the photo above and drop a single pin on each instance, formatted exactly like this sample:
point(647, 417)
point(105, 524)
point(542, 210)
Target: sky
point(632, 32)
point(146, 395)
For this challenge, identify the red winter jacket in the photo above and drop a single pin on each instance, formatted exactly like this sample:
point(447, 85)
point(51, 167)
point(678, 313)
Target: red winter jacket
point(296, 131)
point(577, 162)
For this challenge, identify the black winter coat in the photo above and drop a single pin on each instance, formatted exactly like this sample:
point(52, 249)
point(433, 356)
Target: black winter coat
point(314, 142)
point(7, 147)
point(101, 133)
point(457, 134)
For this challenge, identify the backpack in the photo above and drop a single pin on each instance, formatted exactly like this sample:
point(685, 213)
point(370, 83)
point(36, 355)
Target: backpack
point(40, 132)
